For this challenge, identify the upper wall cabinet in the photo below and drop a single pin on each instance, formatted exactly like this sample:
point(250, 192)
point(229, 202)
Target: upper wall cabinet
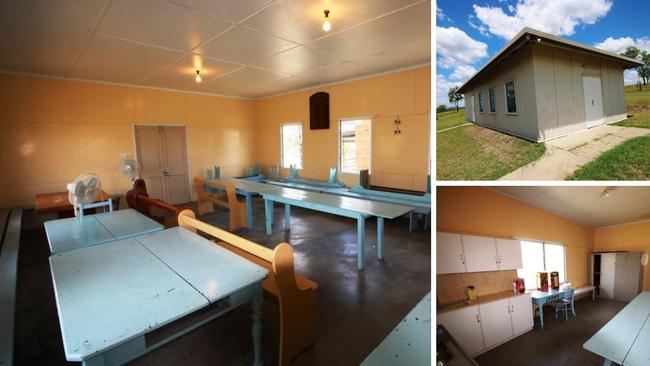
point(449, 258)
point(509, 252)
point(480, 253)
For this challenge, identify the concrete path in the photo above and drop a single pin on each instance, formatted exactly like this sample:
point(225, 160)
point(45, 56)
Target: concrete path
point(566, 154)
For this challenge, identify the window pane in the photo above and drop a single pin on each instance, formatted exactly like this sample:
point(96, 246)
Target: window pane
point(510, 97)
point(480, 102)
point(355, 140)
point(532, 255)
point(555, 259)
point(292, 145)
point(493, 107)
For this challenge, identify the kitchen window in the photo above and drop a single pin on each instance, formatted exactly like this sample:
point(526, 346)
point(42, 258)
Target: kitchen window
point(541, 257)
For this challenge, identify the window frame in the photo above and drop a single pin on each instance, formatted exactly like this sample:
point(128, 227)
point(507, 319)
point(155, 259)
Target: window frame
point(505, 96)
point(302, 160)
point(492, 100)
point(543, 244)
point(338, 159)
point(480, 103)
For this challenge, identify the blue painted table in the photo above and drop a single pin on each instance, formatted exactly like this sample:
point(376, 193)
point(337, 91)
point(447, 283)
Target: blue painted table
point(120, 300)
point(625, 339)
point(78, 232)
point(540, 298)
point(338, 205)
point(409, 343)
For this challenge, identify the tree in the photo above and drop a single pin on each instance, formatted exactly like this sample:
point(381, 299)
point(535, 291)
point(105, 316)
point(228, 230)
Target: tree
point(441, 108)
point(454, 96)
point(642, 71)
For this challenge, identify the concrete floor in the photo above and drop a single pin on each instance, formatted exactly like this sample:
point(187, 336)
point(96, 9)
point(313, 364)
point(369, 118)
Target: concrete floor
point(560, 342)
point(355, 310)
point(564, 155)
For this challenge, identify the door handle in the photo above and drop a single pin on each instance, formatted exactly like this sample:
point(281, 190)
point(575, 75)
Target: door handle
point(165, 173)
point(592, 102)
point(462, 259)
point(478, 320)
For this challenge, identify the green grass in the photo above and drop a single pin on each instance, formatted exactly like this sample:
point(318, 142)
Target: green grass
point(450, 119)
point(627, 161)
point(638, 107)
point(477, 153)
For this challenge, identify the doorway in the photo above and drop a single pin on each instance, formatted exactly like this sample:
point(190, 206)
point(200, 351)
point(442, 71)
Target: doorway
point(162, 154)
point(593, 101)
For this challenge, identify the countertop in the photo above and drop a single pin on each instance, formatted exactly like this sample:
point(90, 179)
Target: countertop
point(443, 308)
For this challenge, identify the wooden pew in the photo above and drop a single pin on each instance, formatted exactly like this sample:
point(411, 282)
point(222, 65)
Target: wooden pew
point(146, 203)
point(294, 294)
point(226, 196)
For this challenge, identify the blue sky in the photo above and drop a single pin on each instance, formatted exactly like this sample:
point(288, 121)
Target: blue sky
point(469, 32)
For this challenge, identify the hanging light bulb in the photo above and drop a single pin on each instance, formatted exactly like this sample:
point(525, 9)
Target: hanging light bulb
point(198, 77)
point(327, 26)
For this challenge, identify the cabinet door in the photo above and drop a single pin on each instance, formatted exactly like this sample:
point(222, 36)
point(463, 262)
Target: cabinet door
point(464, 325)
point(480, 253)
point(509, 252)
point(521, 313)
point(495, 322)
point(607, 275)
point(449, 252)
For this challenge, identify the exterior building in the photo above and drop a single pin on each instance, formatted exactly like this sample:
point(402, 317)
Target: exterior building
point(539, 87)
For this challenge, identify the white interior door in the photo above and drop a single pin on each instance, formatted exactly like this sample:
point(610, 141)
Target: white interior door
point(464, 325)
point(472, 111)
point(607, 275)
point(449, 250)
point(149, 150)
point(495, 322)
point(480, 253)
point(593, 101)
point(509, 254)
point(522, 313)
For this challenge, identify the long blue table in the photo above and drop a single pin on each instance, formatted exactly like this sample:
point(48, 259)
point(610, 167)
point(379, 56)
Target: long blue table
point(343, 206)
point(78, 232)
point(625, 339)
point(122, 299)
point(540, 298)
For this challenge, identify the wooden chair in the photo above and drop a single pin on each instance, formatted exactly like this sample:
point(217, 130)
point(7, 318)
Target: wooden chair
point(225, 195)
point(294, 294)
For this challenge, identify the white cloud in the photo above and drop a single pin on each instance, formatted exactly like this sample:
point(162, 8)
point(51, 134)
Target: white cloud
point(441, 15)
point(559, 17)
point(455, 47)
point(442, 88)
point(630, 76)
point(462, 72)
point(619, 45)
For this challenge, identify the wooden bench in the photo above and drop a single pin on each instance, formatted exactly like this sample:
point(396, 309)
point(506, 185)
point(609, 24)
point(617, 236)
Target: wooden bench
point(586, 289)
point(225, 195)
point(294, 294)
point(147, 203)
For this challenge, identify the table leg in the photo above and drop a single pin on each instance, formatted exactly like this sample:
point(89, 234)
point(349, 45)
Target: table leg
point(607, 362)
point(413, 221)
point(287, 216)
point(380, 237)
point(541, 315)
point(257, 324)
point(268, 212)
point(249, 210)
point(361, 241)
point(593, 295)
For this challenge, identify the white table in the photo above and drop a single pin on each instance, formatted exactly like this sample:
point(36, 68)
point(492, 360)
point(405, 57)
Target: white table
point(78, 232)
point(625, 339)
point(122, 299)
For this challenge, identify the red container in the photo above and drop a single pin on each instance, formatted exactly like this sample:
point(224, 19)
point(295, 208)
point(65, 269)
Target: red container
point(521, 287)
point(542, 281)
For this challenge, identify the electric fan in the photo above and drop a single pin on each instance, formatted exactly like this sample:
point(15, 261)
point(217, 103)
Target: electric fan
point(83, 191)
point(130, 168)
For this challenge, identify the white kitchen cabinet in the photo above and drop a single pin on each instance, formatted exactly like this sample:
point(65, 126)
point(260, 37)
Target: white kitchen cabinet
point(465, 326)
point(495, 322)
point(480, 253)
point(449, 250)
point(521, 311)
point(509, 253)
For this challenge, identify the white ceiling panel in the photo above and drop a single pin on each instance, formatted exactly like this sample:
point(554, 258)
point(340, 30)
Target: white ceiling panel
point(409, 25)
point(241, 82)
point(232, 10)
point(342, 71)
point(414, 53)
point(282, 86)
point(301, 21)
point(243, 46)
point(45, 37)
point(160, 23)
point(296, 60)
point(182, 74)
point(587, 205)
point(112, 59)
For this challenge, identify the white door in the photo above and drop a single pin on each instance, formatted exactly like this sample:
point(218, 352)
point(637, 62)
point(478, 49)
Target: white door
point(480, 253)
point(521, 313)
point(472, 111)
point(162, 156)
point(495, 322)
point(593, 101)
point(607, 275)
point(509, 254)
point(464, 325)
point(449, 250)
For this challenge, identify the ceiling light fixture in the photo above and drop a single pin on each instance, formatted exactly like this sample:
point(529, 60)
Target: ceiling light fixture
point(327, 26)
point(198, 76)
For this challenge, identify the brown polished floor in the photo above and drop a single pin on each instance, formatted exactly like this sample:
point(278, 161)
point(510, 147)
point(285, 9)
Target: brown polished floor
point(355, 310)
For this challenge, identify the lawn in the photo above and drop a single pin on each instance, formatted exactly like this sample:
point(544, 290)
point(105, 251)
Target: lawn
point(477, 153)
point(627, 161)
point(638, 107)
point(450, 119)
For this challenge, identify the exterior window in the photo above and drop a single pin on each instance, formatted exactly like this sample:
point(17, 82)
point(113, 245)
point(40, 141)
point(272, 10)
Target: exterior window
point(541, 257)
point(480, 102)
point(511, 103)
point(291, 139)
point(354, 145)
point(493, 105)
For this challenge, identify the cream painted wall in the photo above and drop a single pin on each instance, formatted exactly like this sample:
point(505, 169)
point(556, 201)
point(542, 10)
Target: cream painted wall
point(397, 160)
point(54, 130)
point(630, 237)
point(478, 210)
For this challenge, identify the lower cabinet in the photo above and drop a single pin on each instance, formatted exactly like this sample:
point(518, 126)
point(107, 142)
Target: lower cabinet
point(496, 326)
point(521, 313)
point(465, 326)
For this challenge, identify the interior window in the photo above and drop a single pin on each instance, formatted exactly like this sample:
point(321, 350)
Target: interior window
point(291, 139)
point(354, 145)
point(541, 257)
point(511, 103)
